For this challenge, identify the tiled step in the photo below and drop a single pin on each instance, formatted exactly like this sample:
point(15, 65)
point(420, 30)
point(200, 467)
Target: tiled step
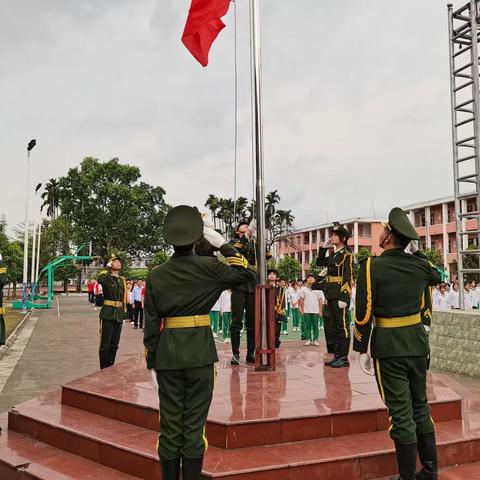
point(139, 406)
point(23, 458)
point(131, 449)
point(468, 471)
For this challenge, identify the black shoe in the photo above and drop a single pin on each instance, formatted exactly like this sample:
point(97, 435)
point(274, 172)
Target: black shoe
point(328, 363)
point(192, 468)
point(341, 362)
point(250, 358)
point(427, 453)
point(406, 459)
point(235, 359)
point(170, 469)
point(135, 327)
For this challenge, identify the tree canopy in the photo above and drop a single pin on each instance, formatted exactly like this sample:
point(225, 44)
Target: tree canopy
point(107, 204)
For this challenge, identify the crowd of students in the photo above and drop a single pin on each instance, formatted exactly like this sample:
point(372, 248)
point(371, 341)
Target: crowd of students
point(445, 296)
point(302, 310)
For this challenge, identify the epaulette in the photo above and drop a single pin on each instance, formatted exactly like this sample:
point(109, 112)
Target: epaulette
point(103, 272)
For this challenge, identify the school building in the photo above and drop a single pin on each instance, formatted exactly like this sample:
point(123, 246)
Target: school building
point(434, 221)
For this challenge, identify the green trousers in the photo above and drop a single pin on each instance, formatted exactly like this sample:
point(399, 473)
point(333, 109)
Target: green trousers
point(402, 382)
point(185, 398)
point(296, 317)
point(226, 320)
point(110, 331)
point(214, 320)
point(2, 330)
point(311, 326)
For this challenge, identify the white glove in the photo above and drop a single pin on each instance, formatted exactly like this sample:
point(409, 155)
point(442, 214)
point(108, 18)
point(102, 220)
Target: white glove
point(427, 329)
point(109, 264)
point(213, 237)
point(324, 272)
point(253, 228)
point(153, 373)
point(341, 305)
point(365, 362)
point(413, 246)
point(207, 221)
point(1, 258)
point(328, 243)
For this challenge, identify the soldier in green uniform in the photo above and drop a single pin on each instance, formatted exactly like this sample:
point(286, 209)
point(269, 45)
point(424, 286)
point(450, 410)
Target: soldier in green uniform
point(399, 345)
point(113, 312)
point(3, 281)
point(178, 339)
point(337, 290)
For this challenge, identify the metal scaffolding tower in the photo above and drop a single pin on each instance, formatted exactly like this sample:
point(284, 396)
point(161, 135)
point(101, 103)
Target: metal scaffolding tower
point(463, 30)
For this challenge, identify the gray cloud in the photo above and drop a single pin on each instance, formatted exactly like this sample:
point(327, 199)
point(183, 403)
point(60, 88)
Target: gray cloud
point(356, 100)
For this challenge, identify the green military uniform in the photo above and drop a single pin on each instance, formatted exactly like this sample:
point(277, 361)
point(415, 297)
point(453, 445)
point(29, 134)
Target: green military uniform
point(179, 341)
point(393, 296)
point(112, 315)
point(3, 281)
point(337, 287)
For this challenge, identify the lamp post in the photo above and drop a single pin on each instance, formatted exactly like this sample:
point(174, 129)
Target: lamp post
point(30, 146)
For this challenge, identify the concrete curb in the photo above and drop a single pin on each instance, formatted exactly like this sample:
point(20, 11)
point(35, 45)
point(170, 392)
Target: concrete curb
point(12, 337)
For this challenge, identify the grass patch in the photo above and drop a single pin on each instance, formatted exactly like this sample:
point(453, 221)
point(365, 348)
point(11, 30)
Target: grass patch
point(12, 319)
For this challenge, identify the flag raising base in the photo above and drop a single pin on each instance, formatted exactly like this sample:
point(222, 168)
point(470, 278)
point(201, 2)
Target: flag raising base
point(302, 421)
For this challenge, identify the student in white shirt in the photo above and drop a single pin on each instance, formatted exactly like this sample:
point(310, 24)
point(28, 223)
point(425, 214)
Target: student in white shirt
point(312, 306)
point(475, 294)
point(226, 313)
point(442, 300)
point(454, 296)
point(294, 300)
point(467, 297)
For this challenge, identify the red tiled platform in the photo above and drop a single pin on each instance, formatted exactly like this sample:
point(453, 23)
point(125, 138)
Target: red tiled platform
point(302, 400)
point(302, 421)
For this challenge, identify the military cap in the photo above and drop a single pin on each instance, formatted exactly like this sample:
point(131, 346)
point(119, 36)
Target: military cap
point(342, 231)
point(183, 226)
point(112, 258)
point(400, 225)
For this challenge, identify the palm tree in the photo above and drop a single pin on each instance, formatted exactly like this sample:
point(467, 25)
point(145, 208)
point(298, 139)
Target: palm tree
point(213, 204)
point(51, 198)
point(241, 205)
point(271, 201)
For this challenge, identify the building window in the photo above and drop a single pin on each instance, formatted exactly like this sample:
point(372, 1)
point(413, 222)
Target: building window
point(420, 219)
point(314, 236)
point(471, 205)
point(321, 236)
point(451, 214)
point(432, 218)
point(365, 230)
point(306, 238)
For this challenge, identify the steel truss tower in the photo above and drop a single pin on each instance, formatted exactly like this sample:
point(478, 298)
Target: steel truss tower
point(463, 27)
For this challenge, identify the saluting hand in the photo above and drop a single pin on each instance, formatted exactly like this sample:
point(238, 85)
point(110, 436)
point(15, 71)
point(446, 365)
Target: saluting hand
point(213, 237)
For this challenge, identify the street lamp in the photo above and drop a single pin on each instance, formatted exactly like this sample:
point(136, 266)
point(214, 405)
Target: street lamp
point(30, 146)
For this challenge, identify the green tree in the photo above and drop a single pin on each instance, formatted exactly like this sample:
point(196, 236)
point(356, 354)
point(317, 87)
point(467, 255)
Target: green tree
point(12, 254)
point(471, 262)
point(106, 203)
point(313, 269)
point(289, 268)
point(51, 198)
point(159, 258)
point(362, 254)
point(435, 256)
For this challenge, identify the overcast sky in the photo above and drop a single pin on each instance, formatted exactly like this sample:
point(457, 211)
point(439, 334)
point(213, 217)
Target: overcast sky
point(356, 100)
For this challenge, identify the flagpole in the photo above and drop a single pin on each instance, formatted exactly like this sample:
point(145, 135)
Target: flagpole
point(257, 127)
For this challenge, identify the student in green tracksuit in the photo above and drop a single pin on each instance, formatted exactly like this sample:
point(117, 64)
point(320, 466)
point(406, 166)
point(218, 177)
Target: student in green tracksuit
point(178, 339)
point(113, 312)
point(3, 281)
point(399, 344)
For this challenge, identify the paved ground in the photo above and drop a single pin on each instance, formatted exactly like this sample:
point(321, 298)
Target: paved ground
point(58, 349)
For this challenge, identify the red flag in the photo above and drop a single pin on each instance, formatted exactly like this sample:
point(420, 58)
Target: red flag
point(203, 25)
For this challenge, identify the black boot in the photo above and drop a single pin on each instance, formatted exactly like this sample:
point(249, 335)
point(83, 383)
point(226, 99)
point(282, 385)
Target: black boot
point(192, 468)
point(103, 355)
point(341, 362)
point(170, 469)
point(427, 452)
point(332, 360)
point(235, 359)
point(406, 460)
